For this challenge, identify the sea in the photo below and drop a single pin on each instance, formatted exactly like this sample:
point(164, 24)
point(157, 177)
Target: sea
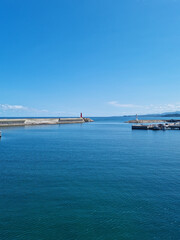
point(91, 181)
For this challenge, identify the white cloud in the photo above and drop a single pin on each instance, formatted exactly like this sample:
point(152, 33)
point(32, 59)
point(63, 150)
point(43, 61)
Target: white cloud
point(164, 107)
point(145, 109)
point(20, 108)
point(12, 107)
point(116, 104)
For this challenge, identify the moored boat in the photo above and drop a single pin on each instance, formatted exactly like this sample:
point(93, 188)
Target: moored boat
point(141, 127)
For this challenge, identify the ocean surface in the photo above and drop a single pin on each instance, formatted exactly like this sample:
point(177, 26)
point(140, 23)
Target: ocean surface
point(92, 181)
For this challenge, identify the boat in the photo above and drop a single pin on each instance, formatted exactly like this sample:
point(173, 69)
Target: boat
point(141, 127)
point(156, 127)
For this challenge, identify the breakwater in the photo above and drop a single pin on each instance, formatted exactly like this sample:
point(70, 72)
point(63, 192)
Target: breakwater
point(153, 121)
point(41, 121)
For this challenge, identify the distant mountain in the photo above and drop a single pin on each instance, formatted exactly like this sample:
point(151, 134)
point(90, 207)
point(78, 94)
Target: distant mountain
point(167, 114)
point(171, 114)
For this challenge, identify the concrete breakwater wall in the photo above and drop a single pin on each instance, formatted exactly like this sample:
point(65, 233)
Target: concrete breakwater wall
point(40, 121)
point(146, 121)
point(154, 121)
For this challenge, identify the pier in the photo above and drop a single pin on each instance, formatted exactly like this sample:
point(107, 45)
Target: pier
point(41, 121)
point(153, 121)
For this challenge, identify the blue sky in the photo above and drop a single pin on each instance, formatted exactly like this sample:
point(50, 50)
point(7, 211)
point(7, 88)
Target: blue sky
point(99, 57)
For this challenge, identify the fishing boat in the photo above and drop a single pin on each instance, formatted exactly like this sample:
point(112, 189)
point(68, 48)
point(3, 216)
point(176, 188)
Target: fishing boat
point(141, 127)
point(156, 127)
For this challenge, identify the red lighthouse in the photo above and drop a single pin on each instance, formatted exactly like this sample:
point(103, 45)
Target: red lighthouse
point(80, 115)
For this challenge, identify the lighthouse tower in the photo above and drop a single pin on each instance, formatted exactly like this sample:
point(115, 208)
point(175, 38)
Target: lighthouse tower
point(136, 118)
point(81, 115)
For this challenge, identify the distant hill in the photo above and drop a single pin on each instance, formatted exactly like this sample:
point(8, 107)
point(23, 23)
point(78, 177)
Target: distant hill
point(171, 114)
point(168, 114)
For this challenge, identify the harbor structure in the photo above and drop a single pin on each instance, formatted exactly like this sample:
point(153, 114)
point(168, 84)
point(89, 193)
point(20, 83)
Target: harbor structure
point(166, 126)
point(41, 121)
point(136, 118)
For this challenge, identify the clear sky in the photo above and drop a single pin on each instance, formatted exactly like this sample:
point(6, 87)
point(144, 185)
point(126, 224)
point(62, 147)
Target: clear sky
point(99, 57)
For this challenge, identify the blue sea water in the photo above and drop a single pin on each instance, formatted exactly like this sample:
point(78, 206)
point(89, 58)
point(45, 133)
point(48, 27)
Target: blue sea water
point(93, 181)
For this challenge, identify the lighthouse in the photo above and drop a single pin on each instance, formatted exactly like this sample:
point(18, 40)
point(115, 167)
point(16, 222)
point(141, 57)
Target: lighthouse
point(81, 115)
point(136, 118)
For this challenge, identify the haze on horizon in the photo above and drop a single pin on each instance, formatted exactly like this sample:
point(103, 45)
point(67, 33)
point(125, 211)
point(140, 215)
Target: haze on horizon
point(99, 57)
